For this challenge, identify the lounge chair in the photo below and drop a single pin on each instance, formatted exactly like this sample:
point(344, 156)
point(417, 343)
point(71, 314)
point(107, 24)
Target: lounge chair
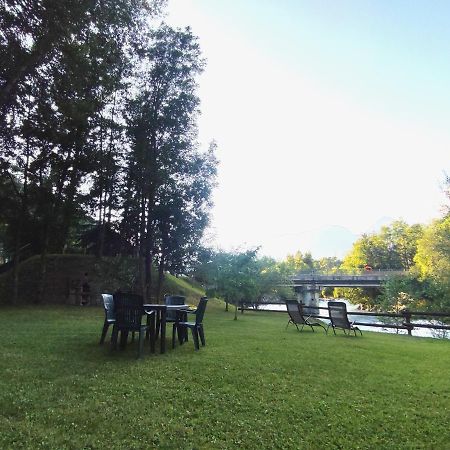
point(339, 319)
point(298, 317)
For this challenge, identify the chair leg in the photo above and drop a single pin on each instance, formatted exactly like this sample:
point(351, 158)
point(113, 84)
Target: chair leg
point(289, 321)
point(114, 336)
point(104, 331)
point(123, 339)
point(195, 338)
point(180, 331)
point(152, 336)
point(151, 323)
point(141, 341)
point(201, 333)
point(321, 326)
point(174, 332)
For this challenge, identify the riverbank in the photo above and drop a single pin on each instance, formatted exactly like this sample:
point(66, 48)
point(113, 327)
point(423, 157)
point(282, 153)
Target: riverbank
point(420, 332)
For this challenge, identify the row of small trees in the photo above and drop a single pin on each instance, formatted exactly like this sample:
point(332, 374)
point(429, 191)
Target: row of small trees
point(98, 111)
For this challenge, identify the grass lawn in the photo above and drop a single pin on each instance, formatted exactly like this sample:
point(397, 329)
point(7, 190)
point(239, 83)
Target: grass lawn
point(255, 385)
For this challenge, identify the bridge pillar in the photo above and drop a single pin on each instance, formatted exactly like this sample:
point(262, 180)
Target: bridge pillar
point(309, 295)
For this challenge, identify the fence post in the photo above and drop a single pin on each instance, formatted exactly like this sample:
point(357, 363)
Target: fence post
point(407, 315)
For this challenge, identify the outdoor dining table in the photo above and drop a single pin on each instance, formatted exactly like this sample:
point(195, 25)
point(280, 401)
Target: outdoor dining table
point(158, 320)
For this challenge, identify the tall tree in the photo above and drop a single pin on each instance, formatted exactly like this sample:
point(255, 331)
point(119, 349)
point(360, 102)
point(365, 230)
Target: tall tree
point(161, 126)
point(182, 213)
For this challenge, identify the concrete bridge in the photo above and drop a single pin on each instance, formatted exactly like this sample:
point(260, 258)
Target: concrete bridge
point(308, 285)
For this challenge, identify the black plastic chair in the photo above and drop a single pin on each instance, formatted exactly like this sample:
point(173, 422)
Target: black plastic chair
point(129, 310)
point(171, 316)
point(298, 317)
point(339, 318)
point(110, 317)
point(196, 327)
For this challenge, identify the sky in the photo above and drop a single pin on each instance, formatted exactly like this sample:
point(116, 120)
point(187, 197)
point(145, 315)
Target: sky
point(331, 117)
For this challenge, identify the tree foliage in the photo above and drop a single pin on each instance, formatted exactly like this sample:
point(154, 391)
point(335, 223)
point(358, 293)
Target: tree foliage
point(98, 112)
point(243, 276)
point(168, 181)
point(433, 260)
point(421, 252)
point(393, 248)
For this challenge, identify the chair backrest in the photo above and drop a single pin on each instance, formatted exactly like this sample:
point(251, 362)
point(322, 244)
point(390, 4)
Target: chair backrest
point(295, 311)
point(200, 310)
point(108, 304)
point(173, 300)
point(338, 314)
point(129, 310)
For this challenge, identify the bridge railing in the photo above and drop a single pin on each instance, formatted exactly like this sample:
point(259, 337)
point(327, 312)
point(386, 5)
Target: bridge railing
point(341, 274)
point(350, 272)
point(405, 316)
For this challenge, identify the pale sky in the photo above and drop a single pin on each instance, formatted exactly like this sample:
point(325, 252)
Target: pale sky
point(331, 117)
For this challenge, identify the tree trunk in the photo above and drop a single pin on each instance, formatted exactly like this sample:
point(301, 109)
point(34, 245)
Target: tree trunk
point(23, 213)
point(102, 198)
point(101, 240)
point(141, 250)
point(149, 244)
point(160, 278)
point(16, 275)
point(43, 269)
point(42, 278)
point(142, 278)
point(148, 276)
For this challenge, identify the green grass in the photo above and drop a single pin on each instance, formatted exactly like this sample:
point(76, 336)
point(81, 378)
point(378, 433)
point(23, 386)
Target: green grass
point(255, 385)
